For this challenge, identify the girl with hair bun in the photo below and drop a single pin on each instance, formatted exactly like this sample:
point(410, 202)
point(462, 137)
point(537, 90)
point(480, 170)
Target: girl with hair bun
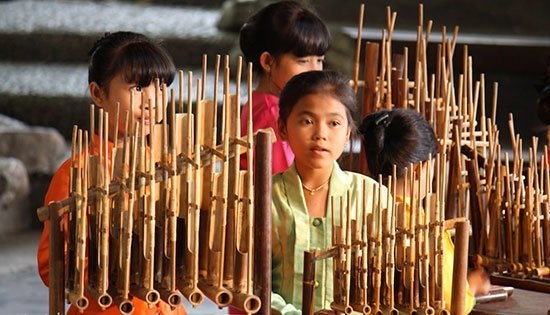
point(402, 137)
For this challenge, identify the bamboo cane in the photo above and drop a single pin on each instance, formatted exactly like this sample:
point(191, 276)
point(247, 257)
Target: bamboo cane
point(262, 219)
point(75, 294)
point(167, 286)
point(376, 278)
point(358, 48)
point(508, 211)
point(145, 287)
point(424, 257)
point(188, 284)
point(460, 268)
point(390, 252)
point(371, 71)
point(121, 297)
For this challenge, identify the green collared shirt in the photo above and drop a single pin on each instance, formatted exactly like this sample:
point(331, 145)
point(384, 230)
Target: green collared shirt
point(295, 231)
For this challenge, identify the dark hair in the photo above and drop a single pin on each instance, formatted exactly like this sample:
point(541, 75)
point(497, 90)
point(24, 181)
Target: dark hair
point(400, 137)
point(317, 82)
point(543, 100)
point(283, 27)
point(138, 58)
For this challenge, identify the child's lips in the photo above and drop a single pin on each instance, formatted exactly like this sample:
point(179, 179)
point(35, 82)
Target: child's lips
point(319, 150)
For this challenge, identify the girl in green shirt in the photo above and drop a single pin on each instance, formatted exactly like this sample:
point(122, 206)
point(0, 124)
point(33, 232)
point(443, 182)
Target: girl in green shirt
point(316, 119)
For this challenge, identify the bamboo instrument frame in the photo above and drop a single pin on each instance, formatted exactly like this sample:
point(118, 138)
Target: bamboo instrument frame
point(149, 178)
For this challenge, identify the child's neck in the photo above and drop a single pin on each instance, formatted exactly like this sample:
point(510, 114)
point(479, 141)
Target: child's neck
point(265, 86)
point(313, 177)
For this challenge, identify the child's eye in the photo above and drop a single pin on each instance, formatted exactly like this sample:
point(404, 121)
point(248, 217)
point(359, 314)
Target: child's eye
point(136, 88)
point(335, 123)
point(321, 60)
point(302, 61)
point(307, 121)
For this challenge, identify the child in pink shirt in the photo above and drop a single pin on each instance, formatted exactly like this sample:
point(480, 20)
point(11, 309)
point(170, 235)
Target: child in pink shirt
point(281, 40)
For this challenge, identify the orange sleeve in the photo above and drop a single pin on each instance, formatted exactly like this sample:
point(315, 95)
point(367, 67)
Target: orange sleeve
point(58, 190)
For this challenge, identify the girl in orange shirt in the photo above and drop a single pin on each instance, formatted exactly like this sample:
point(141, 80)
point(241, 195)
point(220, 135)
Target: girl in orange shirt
point(120, 63)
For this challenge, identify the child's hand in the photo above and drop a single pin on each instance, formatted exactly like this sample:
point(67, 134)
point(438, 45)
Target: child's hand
point(478, 281)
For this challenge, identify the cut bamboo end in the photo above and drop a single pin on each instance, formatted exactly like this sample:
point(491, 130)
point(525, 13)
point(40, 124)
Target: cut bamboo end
point(78, 300)
point(248, 303)
point(363, 309)
point(219, 295)
point(148, 295)
point(125, 306)
point(172, 298)
point(346, 309)
point(193, 295)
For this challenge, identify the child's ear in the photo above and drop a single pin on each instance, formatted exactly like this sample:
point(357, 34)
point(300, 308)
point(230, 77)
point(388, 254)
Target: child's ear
point(96, 93)
point(266, 61)
point(348, 134)
point(282, 130)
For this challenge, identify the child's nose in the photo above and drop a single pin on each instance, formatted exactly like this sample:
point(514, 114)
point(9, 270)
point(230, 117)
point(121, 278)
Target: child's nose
point(320, 132)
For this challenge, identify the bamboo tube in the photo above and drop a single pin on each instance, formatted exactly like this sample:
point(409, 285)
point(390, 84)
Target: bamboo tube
point(204, 70)
point(189, 284)
point(75, 294)
point(508, 211)
point(439, 297)
point(167, 286)
point(212, 286)
point(361, 297)
point(411, 250)
point(495, 204)
point(358, 48)
point(371, 71)
point(103, 298)
point(262, 219)
point(125, 305)
point(145, 288)
point(94, 215)
point(376, 278)
point(308, 291)
point(234, 185)
point(460, 268)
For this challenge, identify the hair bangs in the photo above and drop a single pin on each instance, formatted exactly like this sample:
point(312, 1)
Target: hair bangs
point(143, 63)
point(309, 38)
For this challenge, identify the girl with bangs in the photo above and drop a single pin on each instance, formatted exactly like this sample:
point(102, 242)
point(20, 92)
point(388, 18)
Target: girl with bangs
point(281, 40)
point(120, 63)
point(316, 119)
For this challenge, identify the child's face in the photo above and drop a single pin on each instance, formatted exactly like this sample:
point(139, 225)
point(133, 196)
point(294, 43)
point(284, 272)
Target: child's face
point(119, 91)
point(317, 130)
point(287, 65)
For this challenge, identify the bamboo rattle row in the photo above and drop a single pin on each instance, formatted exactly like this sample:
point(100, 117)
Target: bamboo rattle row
point(163, 216)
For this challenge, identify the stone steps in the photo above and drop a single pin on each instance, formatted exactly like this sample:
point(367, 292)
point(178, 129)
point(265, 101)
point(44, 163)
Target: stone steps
point(63, 32)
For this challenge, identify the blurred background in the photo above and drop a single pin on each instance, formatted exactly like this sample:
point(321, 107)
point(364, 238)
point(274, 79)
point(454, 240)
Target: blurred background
point(43, 82)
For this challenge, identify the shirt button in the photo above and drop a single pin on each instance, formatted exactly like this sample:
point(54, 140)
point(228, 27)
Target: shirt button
point(316, 284)
point(317, 222)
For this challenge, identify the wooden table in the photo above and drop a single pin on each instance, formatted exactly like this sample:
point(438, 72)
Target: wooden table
point(522, 302)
